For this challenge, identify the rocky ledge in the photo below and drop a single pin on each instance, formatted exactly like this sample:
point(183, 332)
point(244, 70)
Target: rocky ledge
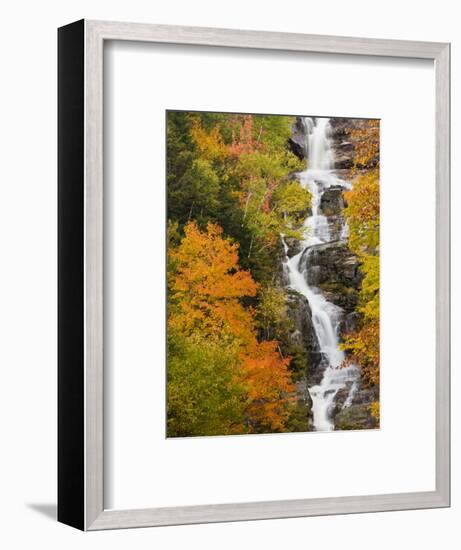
point(332, 265)
point(331, 206)
point(358, 416)
point(303, 341)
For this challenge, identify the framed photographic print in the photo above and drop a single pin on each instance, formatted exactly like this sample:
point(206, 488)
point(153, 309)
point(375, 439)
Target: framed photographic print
point(253, 275)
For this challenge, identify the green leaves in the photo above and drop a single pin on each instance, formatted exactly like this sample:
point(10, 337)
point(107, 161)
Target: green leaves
point(292, 203)
point(203, 398)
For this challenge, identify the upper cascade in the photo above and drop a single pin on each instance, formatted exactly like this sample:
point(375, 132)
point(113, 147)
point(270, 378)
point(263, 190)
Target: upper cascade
point(318, 146)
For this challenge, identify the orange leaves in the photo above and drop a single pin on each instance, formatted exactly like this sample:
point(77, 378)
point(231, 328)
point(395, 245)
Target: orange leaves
point(207, 264)
point(244, 142)
point(265, 369)
point(268, 382)
point(211, 144)
point(363, 198)
point(209, 283)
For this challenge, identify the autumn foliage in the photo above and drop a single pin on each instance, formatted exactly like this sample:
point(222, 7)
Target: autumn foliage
point(232, 363)
point(363, 217)
point(206, 311)
point(209, 284)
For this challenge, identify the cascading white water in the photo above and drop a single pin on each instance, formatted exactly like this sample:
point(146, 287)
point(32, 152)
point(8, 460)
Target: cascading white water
point(325, 315)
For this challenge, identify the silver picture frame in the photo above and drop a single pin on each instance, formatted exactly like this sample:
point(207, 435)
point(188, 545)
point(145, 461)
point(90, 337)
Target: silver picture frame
point(81, 201)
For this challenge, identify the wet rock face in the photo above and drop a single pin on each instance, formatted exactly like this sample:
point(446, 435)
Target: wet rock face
point(304, 345)
point(350, 322)
point(297, 139)
point(335, 227)
point(355, 417)
point(300, 313)
point(317, 370)
point(294, 246)
point(346, 298)
point(332, 201)
point(331, 263)
point(334, 269)
point(331, 206)
point(358, 416)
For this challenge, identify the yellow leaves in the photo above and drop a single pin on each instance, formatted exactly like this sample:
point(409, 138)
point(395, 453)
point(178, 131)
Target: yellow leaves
point(271, 308)
point(363, 346)
point(375, 410)
point(369, 293)
point(363, 200)
point(362, 213)
point(292, 199)
point(210, 144)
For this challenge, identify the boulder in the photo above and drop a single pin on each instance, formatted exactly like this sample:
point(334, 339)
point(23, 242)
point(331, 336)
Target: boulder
point(332, 201)
point(347, 298)
point(341, 398)
point(358, 415)
point(303, 345)
point(293, 246)
point(296, 142)
point(366, 395)
point(296, 148)
point(300, 313)
point(350, 322)
point(317, 370)
point(343, 162)
point(355, 417)
point(333, 263)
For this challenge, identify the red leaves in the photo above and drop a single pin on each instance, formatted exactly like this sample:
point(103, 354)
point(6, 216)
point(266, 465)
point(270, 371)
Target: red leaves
point(244, 142)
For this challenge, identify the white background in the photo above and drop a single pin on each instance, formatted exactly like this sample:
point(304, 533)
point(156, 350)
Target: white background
point(147, 470)
point(28, 301)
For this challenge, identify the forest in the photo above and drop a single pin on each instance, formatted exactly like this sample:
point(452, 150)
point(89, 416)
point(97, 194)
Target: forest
point(240, 359)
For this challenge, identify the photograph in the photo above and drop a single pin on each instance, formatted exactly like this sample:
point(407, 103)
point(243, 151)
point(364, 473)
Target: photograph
point(230, 263)
point(273, 273)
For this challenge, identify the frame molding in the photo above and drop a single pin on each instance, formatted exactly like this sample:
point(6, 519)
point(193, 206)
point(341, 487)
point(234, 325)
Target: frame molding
point(80, 320)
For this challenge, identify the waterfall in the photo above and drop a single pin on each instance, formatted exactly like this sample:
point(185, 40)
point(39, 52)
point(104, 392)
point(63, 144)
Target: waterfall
point(326, 316)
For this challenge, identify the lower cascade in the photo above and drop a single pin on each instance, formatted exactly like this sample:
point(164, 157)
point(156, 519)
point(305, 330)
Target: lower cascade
point(320, 230)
